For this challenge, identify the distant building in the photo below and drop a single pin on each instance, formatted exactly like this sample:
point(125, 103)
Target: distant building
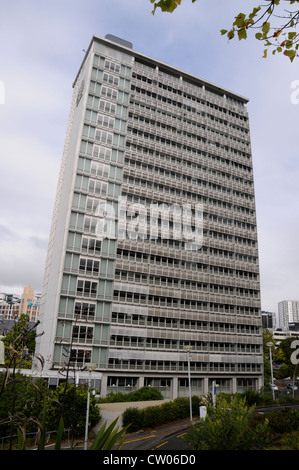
point(30, 303)
point(9, 306)
point(12, 306)
point(288, 312)
point(279, 335)
point(268, 320)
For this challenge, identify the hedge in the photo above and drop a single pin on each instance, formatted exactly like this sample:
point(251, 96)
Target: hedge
point(153, 416)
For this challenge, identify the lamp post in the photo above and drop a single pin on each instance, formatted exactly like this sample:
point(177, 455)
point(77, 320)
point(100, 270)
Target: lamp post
point(188, 351)
point(270, 344)
point(89, 367)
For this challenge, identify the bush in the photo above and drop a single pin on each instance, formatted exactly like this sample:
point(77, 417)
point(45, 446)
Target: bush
point(134, 418)
point(152, 416)
point(146, 394)
point(252, 397)
point(283, 421)
point(228, 426)
point(290, 441)
point(20, 399)
point(142, 394)
point(71, 402)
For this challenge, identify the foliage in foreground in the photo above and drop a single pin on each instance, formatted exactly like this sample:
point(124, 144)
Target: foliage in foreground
point(27, 405)
point(275, 25)
point(106, 439)
point(229, 426)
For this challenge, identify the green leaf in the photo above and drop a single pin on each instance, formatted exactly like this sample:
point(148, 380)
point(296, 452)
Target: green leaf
point(107, 438)
point(266, 27)
point(223, 31)
point(166, 5)
point(242, 34)
point(254, 12)
point(291, 54)
point(231, 34)
point(59, 434)
point(240, 20)
point(258, 35)
point(292, 34)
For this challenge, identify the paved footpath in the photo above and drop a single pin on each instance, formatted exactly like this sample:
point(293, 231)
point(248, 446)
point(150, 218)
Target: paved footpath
point(159, 437)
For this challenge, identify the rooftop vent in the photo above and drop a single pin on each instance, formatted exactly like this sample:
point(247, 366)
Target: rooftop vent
point(120, 41)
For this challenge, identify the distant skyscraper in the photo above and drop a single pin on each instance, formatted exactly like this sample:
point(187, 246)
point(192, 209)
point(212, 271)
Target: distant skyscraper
point(288, 312)
point(153, 246)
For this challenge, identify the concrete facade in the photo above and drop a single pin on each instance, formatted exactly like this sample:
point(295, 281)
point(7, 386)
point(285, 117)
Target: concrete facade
point(153, 247)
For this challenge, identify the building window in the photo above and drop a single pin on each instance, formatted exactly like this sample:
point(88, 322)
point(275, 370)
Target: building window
point(87, 288)
point(80, 356)
point(85, 310)
point(91, 246)
point(89, 267)
point(82, 334)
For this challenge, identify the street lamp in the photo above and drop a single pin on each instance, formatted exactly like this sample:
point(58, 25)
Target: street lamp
point(89, 367)
point(188, 351)
point(270, 344)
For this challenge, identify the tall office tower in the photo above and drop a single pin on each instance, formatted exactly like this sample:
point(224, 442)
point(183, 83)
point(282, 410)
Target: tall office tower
point(152, 263)
point(288, 312)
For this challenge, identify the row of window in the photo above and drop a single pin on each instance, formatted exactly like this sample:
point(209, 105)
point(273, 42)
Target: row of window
point(176, 345)
point(182, 304)
point(143, 193)
point(200, 187)
point(200, 129)
point(181, 283)
point(135, 364)
point(108, 93)
point(191, 97)
point(215, 205)
point(204, 159)
point(177, 105)
point(192, 171)
point(160, 322)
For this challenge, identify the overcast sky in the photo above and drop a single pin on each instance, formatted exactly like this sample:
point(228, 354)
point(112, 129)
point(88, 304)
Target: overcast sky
point(41, 49)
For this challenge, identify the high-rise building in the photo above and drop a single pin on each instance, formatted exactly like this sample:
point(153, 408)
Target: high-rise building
point(288, 312)
point(152, 262)
point(30, 303)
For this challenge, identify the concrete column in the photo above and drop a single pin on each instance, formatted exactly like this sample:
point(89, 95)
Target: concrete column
point(141, 381)
point(104, 386)
point(234, 385)
point(175, 388)
point(205, 386)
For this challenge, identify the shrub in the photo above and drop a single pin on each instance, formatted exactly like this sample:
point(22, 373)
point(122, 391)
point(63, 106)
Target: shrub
point(290, 441)
point(252, 397)
point(146, 393)
point(228, 426)
point(71, 402)
point(21, 399)
point(181, 407)
point(283, 421)
point(142, 394)
point(152, 416)
point(134, 418)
